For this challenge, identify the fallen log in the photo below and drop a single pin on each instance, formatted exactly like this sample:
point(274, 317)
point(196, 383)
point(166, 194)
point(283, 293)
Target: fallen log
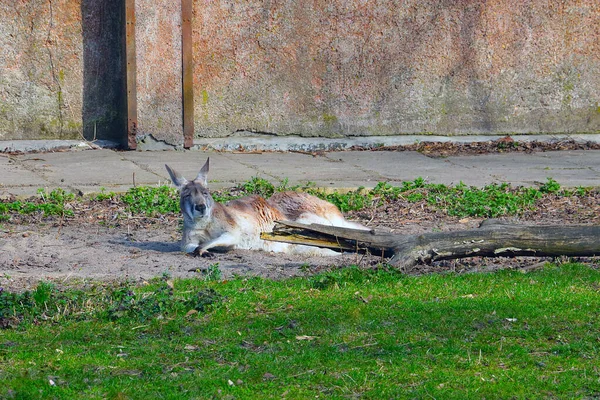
point(492, 239)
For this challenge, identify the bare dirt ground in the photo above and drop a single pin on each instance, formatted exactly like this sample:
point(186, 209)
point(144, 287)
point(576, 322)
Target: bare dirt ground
point(137, 249)
point(93, 245)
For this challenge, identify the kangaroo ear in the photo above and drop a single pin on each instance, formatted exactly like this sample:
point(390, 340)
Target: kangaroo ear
point(178, 180)
point(203, 174)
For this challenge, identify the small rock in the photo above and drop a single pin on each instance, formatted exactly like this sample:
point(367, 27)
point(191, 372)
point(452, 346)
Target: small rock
point(269, 376)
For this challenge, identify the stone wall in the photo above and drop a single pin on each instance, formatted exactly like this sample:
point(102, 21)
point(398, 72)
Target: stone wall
point(375, 67)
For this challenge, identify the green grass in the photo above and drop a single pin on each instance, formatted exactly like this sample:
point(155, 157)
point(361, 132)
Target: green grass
point(344, 334)
point(491, 201)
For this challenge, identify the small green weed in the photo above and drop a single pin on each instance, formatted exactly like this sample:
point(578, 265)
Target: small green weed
point(104, 195)
point(551, 186)
point(42, 293)
point(411, 190)
point(56, 196)
point(259, 186)
point(264, 188)
point(255, 186)
point(224, 196)
point(501, 145)
point(54, 203)
point(152, 200)
point(579, 191)
point(213, 273)
point(490, 201)
point(349, 201)
point(202, 299)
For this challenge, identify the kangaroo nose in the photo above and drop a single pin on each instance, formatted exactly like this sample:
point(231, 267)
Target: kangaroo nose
point(200, 208)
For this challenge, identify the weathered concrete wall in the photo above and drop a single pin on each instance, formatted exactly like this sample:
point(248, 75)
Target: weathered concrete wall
point(158, 47)
point(40, 69)
point(313, 68)
point(375, 67)
point(61, 69)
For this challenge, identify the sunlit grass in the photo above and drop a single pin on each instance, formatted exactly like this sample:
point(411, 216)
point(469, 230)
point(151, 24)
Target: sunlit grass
point(349, 333)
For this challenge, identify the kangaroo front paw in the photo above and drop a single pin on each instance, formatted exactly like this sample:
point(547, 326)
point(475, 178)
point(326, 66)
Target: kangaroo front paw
point(201, 253)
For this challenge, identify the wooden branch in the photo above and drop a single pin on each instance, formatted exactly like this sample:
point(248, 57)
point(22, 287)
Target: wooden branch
point(332, 237)
point(491, 239)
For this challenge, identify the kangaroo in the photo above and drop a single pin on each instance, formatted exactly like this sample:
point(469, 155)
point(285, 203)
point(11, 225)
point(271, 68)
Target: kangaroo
point(238, 224)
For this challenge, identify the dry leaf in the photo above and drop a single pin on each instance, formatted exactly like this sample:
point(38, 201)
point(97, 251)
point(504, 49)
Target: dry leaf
point(191, 312)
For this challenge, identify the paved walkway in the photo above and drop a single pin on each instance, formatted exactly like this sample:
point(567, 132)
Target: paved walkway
point(87, 171)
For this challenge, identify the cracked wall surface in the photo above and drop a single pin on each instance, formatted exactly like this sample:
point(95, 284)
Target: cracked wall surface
point(373, 67)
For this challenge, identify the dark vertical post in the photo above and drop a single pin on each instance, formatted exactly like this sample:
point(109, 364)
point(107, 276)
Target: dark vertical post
point(187, 73)
point(131, 69)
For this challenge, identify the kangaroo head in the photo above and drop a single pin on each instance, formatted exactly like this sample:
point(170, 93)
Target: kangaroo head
point(195, 201)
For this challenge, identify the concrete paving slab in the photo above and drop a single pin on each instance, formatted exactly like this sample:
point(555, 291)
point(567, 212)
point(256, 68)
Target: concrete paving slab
point(531, 169)
point(581, 158)
point(89, 190)
point(14, 174)
point(88, 171)
point(510, 160)
point(91, 167)
point(224, 172)
point(534, 178)
point(22, 192)
point(402, 166)
point(303, 168)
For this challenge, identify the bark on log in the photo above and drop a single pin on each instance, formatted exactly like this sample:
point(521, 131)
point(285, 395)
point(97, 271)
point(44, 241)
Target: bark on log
point(491, 239)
